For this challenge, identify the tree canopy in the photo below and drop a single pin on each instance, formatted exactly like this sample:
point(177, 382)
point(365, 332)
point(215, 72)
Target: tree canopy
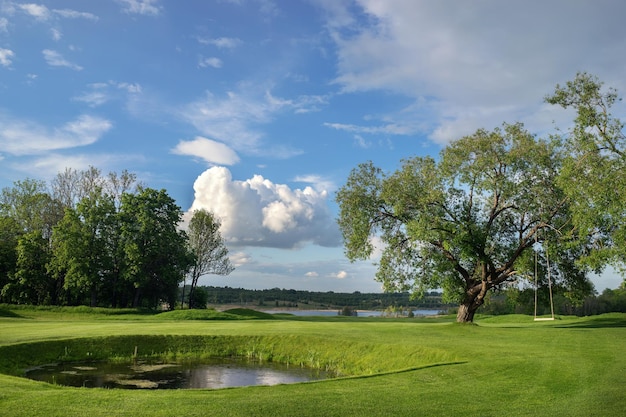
point(94, 240)
point(474, 219)
point(210, 255)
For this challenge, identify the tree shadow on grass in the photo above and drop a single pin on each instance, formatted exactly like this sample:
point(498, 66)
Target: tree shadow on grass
point(596, 322)
point(10, 314)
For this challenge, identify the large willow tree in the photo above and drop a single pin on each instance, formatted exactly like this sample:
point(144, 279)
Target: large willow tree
point(468, 222)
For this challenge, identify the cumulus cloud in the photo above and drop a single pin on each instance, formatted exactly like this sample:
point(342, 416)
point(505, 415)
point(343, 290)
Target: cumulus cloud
point(211, 151)
point(143, 7)
point(25, 137)
point(55, 59)
point(257, 212)
point(5, 57)
point(472, 66)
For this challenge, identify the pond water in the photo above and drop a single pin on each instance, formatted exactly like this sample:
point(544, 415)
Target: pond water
point(218, 373)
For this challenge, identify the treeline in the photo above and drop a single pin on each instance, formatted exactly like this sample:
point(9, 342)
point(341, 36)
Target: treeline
point(507, 301)
point(90, 239)
point(277, 297)
point(522, 301)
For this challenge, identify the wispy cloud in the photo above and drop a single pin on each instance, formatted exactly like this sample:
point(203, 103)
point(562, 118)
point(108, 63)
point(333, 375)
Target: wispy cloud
point(143, 7)
point(393, 128)
point(319, 182)
point(221, 42)
point(210, 62)
point(4, 24)
point(56, 34)
point(26, 137)
point(55, 59)
point(238, 119)
point(49, 165)
point(38, 11)
point(468, 65)
point(5, 57)
point(73, 14)
point(99, 93)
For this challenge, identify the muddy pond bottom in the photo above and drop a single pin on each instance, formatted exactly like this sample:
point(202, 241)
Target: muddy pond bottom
point(219, 373)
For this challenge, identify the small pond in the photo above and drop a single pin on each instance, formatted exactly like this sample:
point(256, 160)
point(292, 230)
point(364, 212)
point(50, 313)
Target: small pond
point(217, 373)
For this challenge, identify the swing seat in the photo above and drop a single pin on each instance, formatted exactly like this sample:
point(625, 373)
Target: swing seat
point(544, 318)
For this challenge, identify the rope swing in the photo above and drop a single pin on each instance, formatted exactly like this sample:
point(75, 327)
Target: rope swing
point(549, 284)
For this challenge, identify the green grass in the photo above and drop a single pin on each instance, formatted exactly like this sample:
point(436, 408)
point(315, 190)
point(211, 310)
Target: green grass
point(506, 365)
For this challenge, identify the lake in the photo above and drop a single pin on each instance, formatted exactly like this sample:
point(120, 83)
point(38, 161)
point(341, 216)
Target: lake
point(361, 313)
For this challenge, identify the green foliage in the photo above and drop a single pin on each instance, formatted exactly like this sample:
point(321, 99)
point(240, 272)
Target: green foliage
point(466, 223)
point(91, 241)
point(210, 255)
point(596, 157)
point(155, 251)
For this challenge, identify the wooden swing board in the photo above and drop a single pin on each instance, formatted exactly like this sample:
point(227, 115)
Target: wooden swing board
point(544, 318)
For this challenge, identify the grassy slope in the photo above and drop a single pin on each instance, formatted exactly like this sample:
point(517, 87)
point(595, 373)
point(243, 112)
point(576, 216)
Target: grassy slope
point(572, 367)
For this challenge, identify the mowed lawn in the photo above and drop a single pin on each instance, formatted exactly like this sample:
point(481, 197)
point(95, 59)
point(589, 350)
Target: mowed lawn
point(504, 366)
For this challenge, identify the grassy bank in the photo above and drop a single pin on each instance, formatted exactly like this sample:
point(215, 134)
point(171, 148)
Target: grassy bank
point(504, 366)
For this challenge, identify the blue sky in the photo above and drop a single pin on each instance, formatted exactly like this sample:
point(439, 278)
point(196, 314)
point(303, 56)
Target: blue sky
point(258, 109)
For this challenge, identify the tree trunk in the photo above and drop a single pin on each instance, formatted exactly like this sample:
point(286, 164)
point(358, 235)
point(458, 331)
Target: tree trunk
point(466, 312)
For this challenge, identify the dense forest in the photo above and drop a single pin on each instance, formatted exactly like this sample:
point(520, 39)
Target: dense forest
point(89, 239)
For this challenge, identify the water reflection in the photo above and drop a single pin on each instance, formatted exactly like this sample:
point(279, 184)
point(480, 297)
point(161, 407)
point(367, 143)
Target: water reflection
point(220, 373)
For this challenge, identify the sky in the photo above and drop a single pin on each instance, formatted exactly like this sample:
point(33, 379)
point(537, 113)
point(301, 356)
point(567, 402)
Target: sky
point(258, 109)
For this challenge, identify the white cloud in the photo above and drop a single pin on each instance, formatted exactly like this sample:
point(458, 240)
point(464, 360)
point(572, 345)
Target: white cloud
point(319, 183)
point(5, 57)
point(392, 129)
point(235, 118)
point(38, 11)
point(143, 7)
point(210, 62)
point(73, 14)
point(471, 66)
point(56, 34)
point(341, 275)
point(239, 259)
point(132, 88)
point(211, 151)
point(55, 59)
point(4, 24)
point(311, 274)
point(257, 212)
point(221, 42)
point(231, 119)
point(25, 137)
point(49, 165)
point(99, 93)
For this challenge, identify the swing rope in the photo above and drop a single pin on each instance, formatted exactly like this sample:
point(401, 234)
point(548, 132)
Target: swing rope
point(549, 284)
